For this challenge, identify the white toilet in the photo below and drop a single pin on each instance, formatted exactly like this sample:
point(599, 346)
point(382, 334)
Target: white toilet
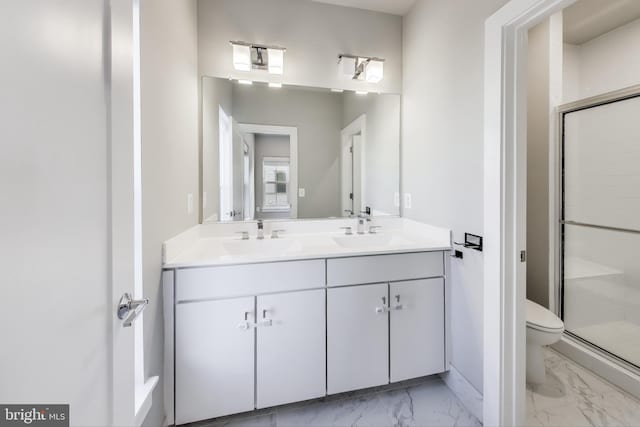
point(543, 328)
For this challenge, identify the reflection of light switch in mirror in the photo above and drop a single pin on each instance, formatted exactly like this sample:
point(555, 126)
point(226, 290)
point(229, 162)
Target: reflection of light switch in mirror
point(302, 192)
point(407, 200)
point(190, 203)
point(396, 199)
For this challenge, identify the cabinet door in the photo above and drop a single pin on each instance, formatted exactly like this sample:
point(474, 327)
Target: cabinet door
point(357, 337)
point(214, 359)
point(417, 328)
point(291, 347)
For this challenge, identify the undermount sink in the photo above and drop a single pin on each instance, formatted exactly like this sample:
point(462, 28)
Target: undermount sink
point(371, 240)
point(255, 246)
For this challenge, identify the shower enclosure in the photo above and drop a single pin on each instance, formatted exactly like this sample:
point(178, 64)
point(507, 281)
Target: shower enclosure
point(598, 244)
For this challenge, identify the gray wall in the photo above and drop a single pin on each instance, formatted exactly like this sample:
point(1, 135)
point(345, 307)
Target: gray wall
point(442, 151)
point(268, 146)
point(215, 93)
point(538, 114)
point(313, 33)
point(382, 151)
point(169, 154)
point(319, 124)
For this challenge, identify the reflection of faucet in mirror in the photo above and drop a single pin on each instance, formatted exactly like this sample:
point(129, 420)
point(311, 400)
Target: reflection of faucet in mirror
point(260, 230)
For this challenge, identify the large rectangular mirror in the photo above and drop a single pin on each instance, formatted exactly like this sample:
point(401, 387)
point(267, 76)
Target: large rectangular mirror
point(297, 152)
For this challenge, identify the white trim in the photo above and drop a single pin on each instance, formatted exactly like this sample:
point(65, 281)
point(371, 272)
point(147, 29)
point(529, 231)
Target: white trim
point(464, 391)
point(504, 206)
point(292, 132)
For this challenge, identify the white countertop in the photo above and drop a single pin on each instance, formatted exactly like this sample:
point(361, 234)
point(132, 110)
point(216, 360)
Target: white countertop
point(218, 244)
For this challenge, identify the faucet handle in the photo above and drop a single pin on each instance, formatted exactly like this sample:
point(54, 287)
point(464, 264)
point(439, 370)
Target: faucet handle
point(245, 234)
point(347, 230)
point(275, 234)
point(373, 229)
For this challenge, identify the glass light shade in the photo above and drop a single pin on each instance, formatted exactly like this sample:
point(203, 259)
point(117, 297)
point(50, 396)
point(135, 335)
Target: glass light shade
point(374, 71)
point(276, 61)
point(241, 57)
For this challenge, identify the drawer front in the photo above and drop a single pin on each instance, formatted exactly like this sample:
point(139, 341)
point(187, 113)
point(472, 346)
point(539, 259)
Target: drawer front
point(384, 268)
point(249, 279)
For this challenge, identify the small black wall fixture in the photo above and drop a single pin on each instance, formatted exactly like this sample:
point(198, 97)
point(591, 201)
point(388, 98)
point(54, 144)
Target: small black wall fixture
point(471, 241)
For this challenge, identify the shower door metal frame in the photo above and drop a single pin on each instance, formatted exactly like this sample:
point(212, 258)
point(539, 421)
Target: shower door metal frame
point(557, 200)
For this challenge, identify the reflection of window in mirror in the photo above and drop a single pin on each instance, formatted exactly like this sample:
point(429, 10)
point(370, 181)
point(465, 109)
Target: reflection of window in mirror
point(275, 173)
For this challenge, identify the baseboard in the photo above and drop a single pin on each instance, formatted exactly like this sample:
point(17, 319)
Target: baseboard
point(467, 393)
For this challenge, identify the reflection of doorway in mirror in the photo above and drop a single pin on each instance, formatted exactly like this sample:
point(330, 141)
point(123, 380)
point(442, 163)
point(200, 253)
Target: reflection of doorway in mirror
point(352, 177)
point(226, 166)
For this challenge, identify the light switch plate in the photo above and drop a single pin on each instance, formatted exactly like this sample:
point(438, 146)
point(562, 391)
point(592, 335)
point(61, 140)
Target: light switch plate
point(302, 192)
point(407, 200)
point(190, 203)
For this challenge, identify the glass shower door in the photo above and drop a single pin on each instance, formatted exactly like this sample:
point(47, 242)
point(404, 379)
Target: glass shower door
point(601, 226)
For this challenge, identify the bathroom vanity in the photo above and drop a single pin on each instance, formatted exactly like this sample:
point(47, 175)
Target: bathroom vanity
point(251, 324)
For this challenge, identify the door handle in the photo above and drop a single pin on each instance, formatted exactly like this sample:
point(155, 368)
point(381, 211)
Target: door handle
point(129, 309)
point(398, 306)
point(265, 321)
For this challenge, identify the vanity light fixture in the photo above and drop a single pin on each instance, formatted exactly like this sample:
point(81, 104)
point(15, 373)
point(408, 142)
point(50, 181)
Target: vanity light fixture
point(361, 68)
point(374, 71)
point(245, 82)
point(249, 56)
point(241, 57)
point(362, 92)
point(275, 85)
point(337, 90)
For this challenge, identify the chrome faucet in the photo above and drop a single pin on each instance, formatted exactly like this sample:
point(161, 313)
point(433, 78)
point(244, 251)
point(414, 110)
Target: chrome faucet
point(260, 230)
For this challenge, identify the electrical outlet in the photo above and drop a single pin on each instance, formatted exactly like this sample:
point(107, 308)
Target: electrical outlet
point(204, 200)
point(396, 199)
point(407, 200)
point(302, 192)
point(190, 203)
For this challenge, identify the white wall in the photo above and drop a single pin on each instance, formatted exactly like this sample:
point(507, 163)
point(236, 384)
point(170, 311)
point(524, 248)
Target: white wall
point(442, 151)
point(606, 63)
point(313, 33)
point(56, 313)
point(170, 157)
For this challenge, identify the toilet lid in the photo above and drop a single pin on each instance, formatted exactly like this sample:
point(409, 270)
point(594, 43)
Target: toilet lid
point(540, 318)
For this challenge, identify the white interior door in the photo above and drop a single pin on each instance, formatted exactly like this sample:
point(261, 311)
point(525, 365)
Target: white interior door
point(346, 176)
point(226, 166)
point(238, 145)
point(69, 187)
point(358, 171)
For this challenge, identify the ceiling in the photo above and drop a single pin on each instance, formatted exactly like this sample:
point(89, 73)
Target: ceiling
point(588, 19)
point(394, 7)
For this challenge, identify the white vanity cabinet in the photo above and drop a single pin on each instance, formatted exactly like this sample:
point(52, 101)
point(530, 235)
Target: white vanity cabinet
point(245, 337)
point(214, 363)
point(290, 357)
point(416, 328)
point(357, 337)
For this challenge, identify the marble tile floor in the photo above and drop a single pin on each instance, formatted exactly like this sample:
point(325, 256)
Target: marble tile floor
point(425, 404)
point(573, 397)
